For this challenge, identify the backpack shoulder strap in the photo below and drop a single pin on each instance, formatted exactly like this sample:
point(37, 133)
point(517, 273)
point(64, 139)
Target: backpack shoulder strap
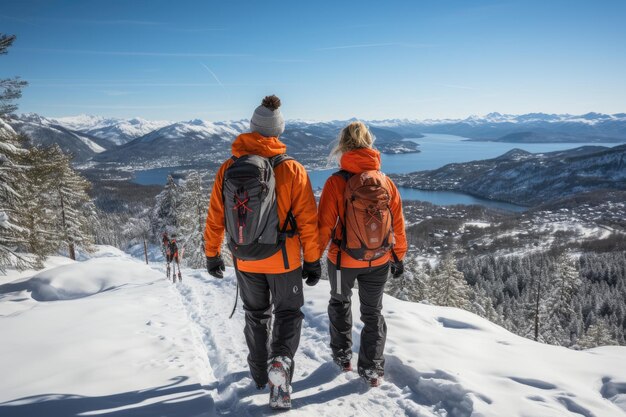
point(343, 174)
point(279, 159)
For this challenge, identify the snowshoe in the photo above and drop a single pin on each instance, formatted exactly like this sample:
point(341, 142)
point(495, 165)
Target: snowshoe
point(373, 377)
point(279, 375)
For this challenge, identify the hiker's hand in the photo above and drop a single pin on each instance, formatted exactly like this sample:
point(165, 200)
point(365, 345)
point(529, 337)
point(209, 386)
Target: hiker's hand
point(397, 269)
point(312, 272)
point(215, 266)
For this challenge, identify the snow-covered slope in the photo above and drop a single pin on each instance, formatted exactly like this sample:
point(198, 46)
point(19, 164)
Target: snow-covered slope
point(199, 129)
point(527, 128)
point(182, 143)
point(82, 121)
point(123, 131)
point(45, 132)
point(118, 131)
point(111, 336)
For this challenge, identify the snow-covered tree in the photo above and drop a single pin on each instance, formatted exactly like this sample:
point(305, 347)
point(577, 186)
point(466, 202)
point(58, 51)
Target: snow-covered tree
point(71, 206)
point(11, 171)
point(560, 308)
point(412, 285)
point(448, 286)
point(36, 214)
point(10, 88)
point(12, 178)
point(598, 334)
point(165, 212)
point(527, 315)
point(534, 309)
point(481, 304)
point(191, 219)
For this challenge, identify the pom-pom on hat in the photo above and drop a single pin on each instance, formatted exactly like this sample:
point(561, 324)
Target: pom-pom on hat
point(267, 119)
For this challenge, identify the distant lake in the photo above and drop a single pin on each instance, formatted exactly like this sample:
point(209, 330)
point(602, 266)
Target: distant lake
point(437, 150)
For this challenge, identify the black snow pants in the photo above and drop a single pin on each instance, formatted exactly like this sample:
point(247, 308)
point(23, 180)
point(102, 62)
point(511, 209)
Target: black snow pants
point(259, 292)
point(374, 334)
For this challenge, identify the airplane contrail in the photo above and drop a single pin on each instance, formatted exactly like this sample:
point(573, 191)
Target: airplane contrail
point(214, 76)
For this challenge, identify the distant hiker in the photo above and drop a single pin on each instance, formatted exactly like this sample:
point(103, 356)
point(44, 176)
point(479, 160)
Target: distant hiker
point(165, 240)
point(264, 201)
point(165, 249)
point(360, 213)
point(173, 256)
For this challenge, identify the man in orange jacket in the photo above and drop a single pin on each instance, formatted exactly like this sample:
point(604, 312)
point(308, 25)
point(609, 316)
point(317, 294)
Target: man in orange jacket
point(275, 279)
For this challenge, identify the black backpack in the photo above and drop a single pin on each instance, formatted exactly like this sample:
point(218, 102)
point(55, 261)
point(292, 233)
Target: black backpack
point(250, 208)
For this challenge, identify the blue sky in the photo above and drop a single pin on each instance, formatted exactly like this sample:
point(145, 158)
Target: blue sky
point(184, 59)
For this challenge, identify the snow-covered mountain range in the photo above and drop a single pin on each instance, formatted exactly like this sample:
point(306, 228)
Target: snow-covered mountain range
point(118, 131)
point(124, 140)
point(531, 127)
point(198, 141)
point(495, 117)
point(181, 143)
point(44, 132)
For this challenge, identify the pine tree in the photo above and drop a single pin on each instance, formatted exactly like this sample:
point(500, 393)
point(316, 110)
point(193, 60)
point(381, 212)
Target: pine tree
point(12, 177)
point(10, 88)
point(534, 302)
point(11, 172)
point(561, 313)
point(72, 208)
point(191, 219)
point(165, 212)
point(448, 286)
point(37, 218)
point(598, 334)
point(481, 304)
point(412, 285)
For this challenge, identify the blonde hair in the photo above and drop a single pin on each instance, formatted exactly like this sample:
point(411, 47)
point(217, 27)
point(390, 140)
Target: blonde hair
point(354, 136)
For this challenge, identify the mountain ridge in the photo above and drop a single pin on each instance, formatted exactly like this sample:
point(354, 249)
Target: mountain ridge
point(526, 178)
point(113, 140)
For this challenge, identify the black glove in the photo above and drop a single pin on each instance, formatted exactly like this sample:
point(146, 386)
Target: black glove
point(312, 272)
point(215, 266)
point(397, 268)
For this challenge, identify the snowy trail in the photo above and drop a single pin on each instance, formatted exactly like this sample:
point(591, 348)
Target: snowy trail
point(112, 336)
point(319, 387)
point(440, 362)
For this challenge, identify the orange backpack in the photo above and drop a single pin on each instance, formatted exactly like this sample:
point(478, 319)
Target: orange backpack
point(367, 226)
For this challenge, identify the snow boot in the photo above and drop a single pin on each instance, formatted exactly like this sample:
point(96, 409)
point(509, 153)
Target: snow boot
point(343, 361)
point(346, 367)
point(373, 377)
point(180, 277)
point(279, 374)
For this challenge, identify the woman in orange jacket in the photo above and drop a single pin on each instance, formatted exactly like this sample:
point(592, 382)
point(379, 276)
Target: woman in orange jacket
point(267, 253)
point(360, 214)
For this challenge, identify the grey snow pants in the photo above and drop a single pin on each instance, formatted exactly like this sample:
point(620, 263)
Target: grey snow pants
point(374, 334)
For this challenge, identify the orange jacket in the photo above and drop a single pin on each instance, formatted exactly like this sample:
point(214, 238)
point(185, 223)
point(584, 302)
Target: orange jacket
point(331, 208)
point(293, 191)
